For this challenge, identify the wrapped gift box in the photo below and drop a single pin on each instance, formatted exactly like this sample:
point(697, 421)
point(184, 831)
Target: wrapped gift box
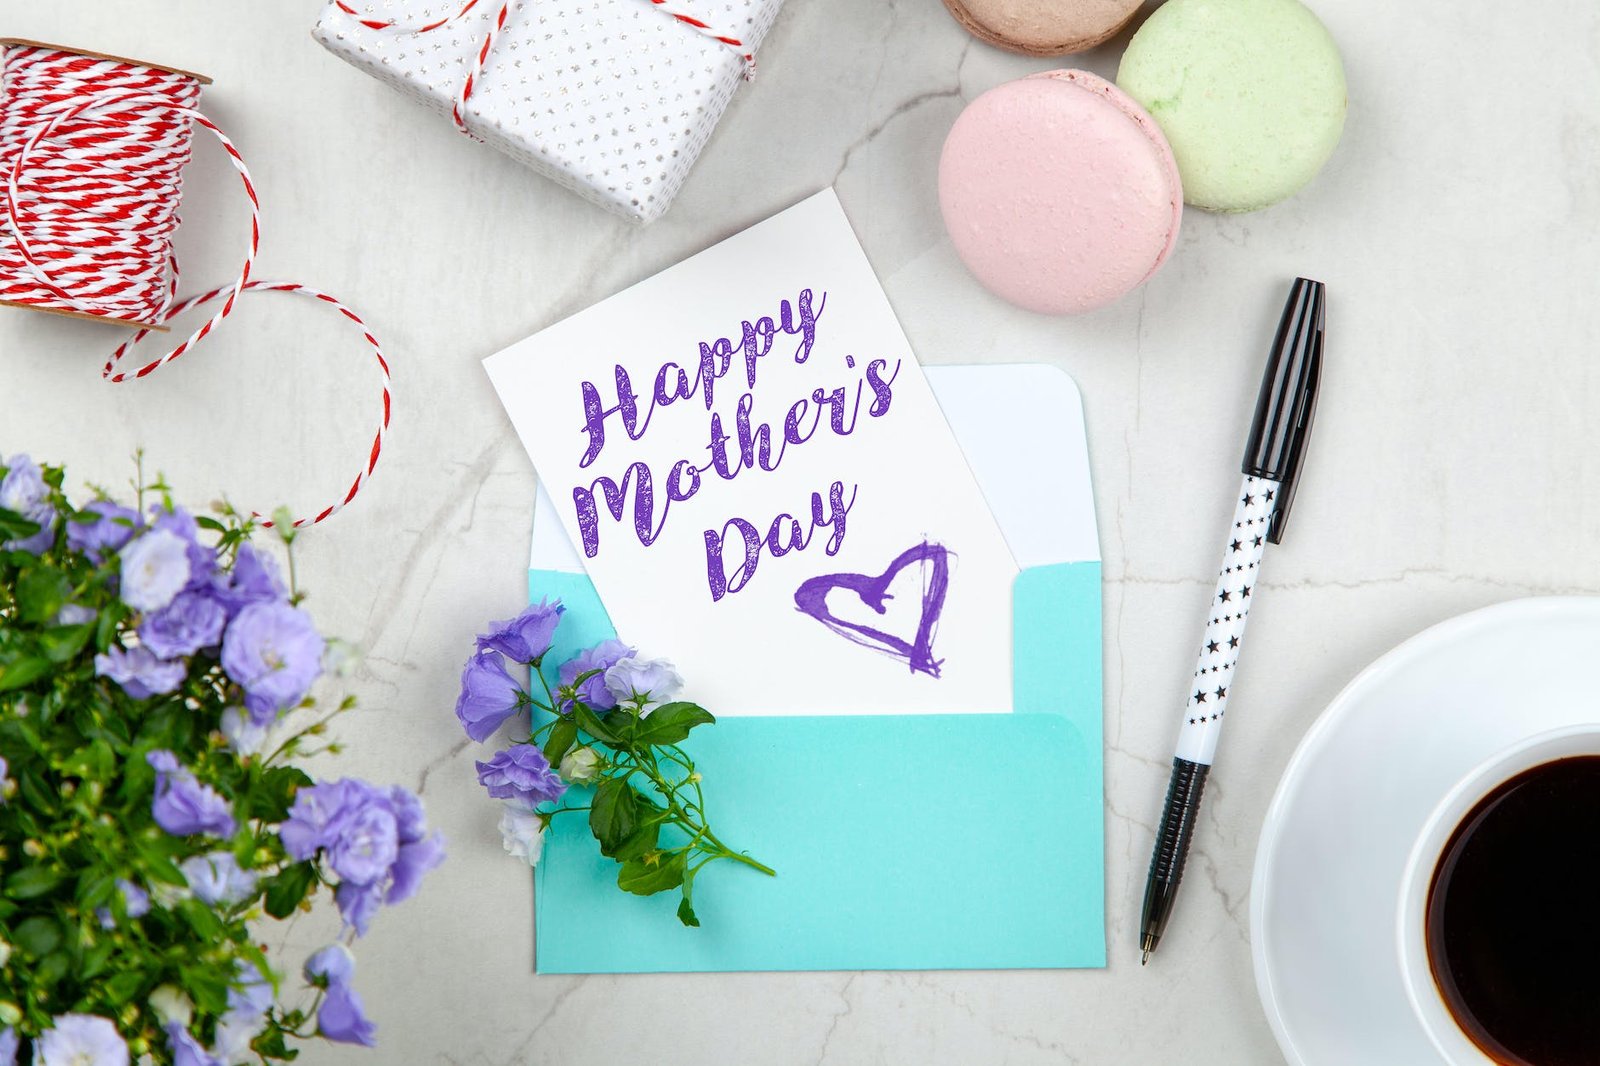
point(612, 98)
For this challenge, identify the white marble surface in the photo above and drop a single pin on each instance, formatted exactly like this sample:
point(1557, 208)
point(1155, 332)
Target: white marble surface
point(1453, 465)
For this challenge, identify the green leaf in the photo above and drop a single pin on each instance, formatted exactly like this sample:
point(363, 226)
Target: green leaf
point(38, 936)
point(202, 919)
point(562, 736)
point(206, 987)
point(36, 792)
point(32, 882)
point(158, 867)
point(122, 987)
point(95, 887)
point(41, 592)
point(15, 527)
point(590, 723)
point(643, 877)
point(670, 723)
point(288, 887)
point(95, 959)
point(270, 800)
point(22, 671)
point(614, 814)
point(270, 1045)
point(639, 843)
point(93, 761)
point(686, 913)
point(52, 968)
point(63, 643)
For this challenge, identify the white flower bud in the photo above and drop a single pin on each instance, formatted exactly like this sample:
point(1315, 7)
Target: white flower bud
point(581, 766)
point(171, 1005)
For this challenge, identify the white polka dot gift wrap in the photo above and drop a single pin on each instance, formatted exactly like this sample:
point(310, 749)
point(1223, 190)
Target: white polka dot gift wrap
point(613, 99)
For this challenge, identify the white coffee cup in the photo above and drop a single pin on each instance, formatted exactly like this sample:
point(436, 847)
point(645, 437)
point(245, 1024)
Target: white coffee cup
point(1411, 919)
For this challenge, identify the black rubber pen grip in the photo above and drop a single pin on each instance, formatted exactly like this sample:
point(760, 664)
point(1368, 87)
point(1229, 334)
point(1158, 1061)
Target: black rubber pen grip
point(1178, 817)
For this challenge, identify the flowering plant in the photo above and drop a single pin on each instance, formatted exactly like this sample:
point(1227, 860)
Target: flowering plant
point(148, 659)
point(610, 722)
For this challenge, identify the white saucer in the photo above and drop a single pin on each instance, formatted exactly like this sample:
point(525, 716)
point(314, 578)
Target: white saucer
point(1356, 794)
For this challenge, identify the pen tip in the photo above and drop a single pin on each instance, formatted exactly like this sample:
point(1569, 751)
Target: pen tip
point(1146, 957)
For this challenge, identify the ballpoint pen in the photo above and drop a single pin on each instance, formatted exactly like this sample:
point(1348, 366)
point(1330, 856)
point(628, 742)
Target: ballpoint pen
point(1273, 456)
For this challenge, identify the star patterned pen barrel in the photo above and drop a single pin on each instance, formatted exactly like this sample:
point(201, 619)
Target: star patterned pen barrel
point(1273, 457)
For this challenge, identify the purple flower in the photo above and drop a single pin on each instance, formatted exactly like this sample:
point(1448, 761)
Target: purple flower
point(358, 904)
point(341, 1019)
point(8, 1046)
point(521, 773)
point(101, 529)
point(5, 779)
point(155, 568)
point(186, 1050)
point(254, 579)
point(181, 524)
point(635, 678)
point(75, 1039)
point(409, 818)
point(74, 614)
point(243, 734)
point(182, 805)
point(248, 1002)
point(602, 657)
point(375, 840)
point(23, 491)
point(193, 620)
point(414, 860)
point(139, 672)
point(330, 964)
point(218, 878)
point(489, 695)
point(135, 904)
point(274, 653)
point(525, 638)
point(367, 844)
point(318, 815)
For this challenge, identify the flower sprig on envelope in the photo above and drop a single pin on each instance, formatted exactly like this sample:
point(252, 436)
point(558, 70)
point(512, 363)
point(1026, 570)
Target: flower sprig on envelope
point(611, 723)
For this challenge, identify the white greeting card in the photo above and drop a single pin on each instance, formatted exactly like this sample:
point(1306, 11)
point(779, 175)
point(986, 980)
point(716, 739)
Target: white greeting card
point(763, 489)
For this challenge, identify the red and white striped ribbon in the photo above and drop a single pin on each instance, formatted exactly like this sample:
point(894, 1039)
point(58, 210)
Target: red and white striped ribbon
point(92, 151)
point(475, 72)
point(706, 28)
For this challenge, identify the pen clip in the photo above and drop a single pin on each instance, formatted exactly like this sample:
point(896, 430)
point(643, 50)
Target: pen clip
point(1287, 402)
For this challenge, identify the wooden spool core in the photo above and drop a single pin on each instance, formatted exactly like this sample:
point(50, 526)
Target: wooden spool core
point(23, 42)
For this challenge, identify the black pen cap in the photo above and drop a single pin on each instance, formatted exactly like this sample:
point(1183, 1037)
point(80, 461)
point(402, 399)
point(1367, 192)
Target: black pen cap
point(1288, 398)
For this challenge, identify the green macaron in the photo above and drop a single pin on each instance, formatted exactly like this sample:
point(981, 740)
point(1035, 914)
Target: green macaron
point(1250, 93)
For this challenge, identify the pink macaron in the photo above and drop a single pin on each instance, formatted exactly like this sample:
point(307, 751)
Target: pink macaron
point(1060, 193)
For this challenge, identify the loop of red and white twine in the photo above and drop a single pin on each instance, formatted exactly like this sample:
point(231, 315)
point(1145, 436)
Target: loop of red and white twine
point(93, 152)
point(458, 111)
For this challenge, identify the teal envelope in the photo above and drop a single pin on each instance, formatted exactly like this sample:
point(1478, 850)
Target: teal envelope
point(900, 842)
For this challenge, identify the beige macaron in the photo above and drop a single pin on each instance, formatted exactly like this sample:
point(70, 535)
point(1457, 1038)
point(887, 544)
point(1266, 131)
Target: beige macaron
point(1043, 27)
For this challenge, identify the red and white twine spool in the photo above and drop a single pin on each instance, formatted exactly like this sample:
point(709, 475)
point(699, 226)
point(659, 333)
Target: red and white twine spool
point(92, 151)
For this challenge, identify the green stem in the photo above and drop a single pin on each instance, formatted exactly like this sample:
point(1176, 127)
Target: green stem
point(294, 583)
point(548, 695)
point(301, 735)
point(700, 828)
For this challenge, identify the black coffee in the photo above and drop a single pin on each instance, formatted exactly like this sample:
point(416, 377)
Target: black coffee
point(1513, 919)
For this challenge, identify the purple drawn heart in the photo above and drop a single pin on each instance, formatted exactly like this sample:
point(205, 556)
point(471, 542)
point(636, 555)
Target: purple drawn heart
point(812, 599)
